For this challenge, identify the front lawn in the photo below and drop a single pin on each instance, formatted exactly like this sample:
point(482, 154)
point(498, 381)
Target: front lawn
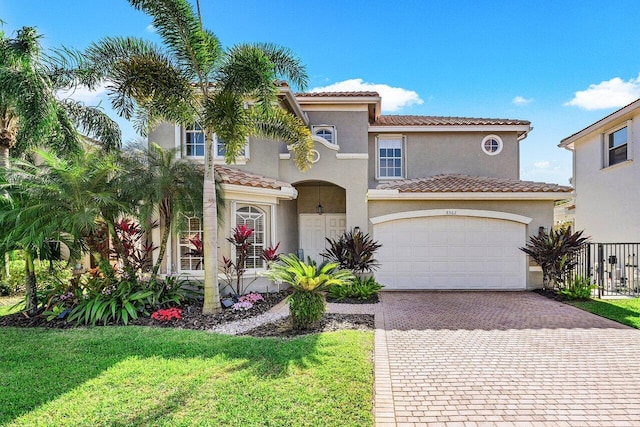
point(108, 376)
point(625, 311)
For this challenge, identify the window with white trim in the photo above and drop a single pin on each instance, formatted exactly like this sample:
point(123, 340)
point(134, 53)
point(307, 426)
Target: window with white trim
point(255, 219)
point(390, 157)
point(194, 141)
point(327, 132)
point(492, 145)
point(220, 149)
point(190, 249)
point(616, 143)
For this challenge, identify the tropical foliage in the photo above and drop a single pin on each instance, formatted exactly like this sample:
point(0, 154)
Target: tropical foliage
point(554, 252)
point(308, 280)
point(353, 250)
point(577, 288)
point(361, 288)
point(193, 79)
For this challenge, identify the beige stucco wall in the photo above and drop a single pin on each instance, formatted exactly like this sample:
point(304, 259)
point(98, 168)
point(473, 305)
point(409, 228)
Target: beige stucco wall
point(607, 199)
point(350, 175)
point(433, 153)
point(540, 211)
point(351, 127)
point(164, 135)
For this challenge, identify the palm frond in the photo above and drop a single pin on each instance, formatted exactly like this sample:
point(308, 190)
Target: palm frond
point(225, 113)
point(248, 71)
point(287, 65)
point(95, 123)
point(176, 22)
point(279, 125)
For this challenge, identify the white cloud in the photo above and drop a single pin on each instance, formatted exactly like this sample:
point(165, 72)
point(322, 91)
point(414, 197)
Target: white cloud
point(150, 28)
point(393, 98)
point(83, 94)
point(545, 164)
point(522, 101)
point(607, 94)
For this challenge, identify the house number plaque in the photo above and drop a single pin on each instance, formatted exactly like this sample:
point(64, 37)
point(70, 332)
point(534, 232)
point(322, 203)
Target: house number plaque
point(452, 213)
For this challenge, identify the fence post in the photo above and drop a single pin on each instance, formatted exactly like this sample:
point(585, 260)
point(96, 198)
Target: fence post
point(600, 269)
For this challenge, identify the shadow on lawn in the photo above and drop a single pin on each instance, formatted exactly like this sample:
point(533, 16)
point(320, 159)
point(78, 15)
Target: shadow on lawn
point(40, 365)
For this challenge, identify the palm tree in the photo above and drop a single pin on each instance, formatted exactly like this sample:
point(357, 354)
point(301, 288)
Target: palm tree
point(59, 199)
point(168, 185)
point(192, 79)
point(30, 113)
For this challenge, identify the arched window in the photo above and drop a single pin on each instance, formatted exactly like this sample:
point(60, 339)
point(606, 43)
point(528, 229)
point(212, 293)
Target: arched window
point(253, 218)
point(327, 132)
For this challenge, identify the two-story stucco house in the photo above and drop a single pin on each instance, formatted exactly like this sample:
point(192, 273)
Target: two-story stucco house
point(441, 194)
point(606, 175)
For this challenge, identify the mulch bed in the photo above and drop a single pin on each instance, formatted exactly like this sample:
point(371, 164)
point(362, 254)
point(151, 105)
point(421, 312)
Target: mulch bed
point(551, 294)
point(330, 322)
point(192, 318)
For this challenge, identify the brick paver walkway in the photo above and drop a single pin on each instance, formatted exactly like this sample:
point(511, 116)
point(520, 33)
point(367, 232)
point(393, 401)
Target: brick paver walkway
point(501, 358)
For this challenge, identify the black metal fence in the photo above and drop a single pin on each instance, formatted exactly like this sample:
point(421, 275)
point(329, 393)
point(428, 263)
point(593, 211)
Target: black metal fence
point(612, 267)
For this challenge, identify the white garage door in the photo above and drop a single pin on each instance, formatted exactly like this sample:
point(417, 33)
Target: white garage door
point(451, 252)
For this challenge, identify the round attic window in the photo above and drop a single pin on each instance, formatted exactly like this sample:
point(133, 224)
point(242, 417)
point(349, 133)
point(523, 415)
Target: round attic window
point(492, 145)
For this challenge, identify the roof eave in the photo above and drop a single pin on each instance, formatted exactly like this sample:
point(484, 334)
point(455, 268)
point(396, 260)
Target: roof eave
point(568, 142)
point(522, 129)
point(376, 194)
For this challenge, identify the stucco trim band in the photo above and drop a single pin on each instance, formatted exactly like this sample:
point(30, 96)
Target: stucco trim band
point(397, 195)
point(452, 212)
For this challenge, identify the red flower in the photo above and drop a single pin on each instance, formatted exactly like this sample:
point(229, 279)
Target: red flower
point(167, 314)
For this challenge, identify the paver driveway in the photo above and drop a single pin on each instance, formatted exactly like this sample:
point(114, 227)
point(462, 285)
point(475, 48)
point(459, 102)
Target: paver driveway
point(501, 358)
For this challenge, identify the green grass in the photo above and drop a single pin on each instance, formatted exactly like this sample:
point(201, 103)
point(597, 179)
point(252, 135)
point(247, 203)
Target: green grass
point(625, 311)
point(132, 376)
point(10, 305)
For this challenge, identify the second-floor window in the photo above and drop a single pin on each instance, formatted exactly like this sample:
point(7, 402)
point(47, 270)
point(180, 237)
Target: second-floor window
point(616, 145)
point(327, 132)
point(220, 149)
point(194, 141)
point(390, 157)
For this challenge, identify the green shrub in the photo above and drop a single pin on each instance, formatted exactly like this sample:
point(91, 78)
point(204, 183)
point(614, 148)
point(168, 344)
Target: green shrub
point(45, 276)
point(577, 288)
point(308, 280)
point(117, 303)
point(361, 289)
point(171, 291)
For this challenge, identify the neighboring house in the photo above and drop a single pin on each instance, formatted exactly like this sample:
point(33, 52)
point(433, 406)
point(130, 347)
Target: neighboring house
point(564, 214)
point(442, 194)
point(606, 177)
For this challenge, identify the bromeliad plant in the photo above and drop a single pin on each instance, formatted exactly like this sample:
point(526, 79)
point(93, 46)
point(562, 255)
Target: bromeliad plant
point(308, 280)
point(361, 288)
point(555, 253)
point(353, 250)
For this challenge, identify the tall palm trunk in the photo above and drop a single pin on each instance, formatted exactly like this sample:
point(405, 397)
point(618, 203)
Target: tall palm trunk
point(32, 288)
point(210, 235)
point(4, 163)
point(163, 247)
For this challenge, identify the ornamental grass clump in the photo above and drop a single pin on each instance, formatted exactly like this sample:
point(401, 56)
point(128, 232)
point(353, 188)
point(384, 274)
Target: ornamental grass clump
point(308, 280)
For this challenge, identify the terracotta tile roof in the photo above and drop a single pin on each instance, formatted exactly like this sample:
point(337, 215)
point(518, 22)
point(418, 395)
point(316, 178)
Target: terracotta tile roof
point(442, 121)
point(229, 175)
point(328, 94)
point(470, 184)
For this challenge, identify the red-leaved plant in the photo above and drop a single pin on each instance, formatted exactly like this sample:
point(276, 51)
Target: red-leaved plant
point(167, 314)
point(271, 254)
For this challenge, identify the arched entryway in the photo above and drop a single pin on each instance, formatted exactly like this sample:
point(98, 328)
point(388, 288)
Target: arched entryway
point(321, 212)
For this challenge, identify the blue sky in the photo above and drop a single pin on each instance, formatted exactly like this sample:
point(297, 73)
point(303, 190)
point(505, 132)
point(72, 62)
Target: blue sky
point(556, 64)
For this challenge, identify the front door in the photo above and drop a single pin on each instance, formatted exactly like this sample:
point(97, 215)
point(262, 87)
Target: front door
point(315, 229)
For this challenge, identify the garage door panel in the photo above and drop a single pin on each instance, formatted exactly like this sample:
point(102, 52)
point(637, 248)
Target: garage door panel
point(451, 253)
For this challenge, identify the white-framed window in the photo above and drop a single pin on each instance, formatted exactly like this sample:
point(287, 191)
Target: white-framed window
point(220, 150)
point(190, 245)
point(328, 132)
point(390, 156)
point(255, 219)
point(616, 142)
point(492, 145)
point(194, 141)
